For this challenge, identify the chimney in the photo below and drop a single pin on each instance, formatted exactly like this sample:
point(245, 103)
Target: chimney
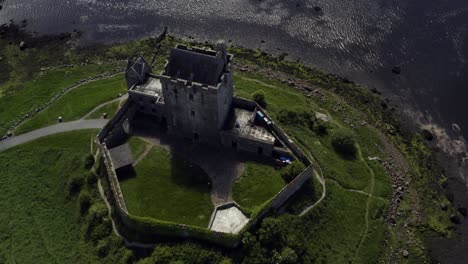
point(221, 49)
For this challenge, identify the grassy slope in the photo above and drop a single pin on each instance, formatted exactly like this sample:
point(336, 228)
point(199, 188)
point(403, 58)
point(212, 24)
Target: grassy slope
point(168, 188)
point(336, 234)
point(29, 95)
point(76, 103)
point(39, 222)
point(137, 145)
point(258, 183)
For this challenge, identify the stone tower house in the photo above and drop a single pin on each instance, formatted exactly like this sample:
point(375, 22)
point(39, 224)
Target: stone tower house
point(197, 86)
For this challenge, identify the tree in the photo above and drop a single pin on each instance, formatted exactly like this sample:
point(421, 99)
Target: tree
point(259, 97)
point(290, 172)
point(344, 143)
point(89, 161)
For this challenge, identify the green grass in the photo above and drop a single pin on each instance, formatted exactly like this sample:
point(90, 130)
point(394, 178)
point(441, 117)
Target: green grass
point(168, 188)
point(29, 95)
point(335, 227)
point(110, 109)
point(137, 145)
point(76, 103)
point(39, 221)
point(257, 184)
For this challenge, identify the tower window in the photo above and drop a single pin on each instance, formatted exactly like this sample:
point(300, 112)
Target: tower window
point(195, 136)
point(191, 97)
point(192, 113)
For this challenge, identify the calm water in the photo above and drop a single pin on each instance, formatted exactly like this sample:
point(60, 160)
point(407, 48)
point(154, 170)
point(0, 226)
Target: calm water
point(359, 39)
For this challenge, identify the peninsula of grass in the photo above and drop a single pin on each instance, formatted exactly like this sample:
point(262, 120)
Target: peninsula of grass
point(259, 183)
point(137, 145)
point(110, 109)
point(76, 103)
point(40, 221)
point(168, 188)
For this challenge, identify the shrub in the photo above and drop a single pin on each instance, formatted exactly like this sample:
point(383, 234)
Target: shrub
point(89, 161)
point(290, 172)
point(85, 201)
point(74, 184)
point(344, 143)
point(90, 178)
point(320, 127)
point(259, 97)
point(295, 118)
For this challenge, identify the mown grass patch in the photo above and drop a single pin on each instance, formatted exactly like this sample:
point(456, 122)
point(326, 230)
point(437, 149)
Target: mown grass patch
point(257, 184)
point(76, 103)
point(168, 188)
point(29, 95)
point(39, 221)
point(137, 145)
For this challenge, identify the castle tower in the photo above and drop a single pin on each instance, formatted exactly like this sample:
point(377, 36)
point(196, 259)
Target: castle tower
point(198, 88)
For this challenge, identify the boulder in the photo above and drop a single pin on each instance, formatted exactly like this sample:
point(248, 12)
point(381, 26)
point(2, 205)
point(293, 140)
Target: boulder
point(22, 45)
point(405, 253)
point(396, 70)
point(427, 135)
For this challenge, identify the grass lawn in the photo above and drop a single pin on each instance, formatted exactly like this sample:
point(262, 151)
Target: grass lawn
point(257, 184)
point(334, 229)
point(39, 221)
point(76, 103)
point(110, 109)
point(29, 95)
point(168, 188)
point(137, 145)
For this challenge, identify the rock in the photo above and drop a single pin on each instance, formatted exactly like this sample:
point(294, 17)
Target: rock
point(322, 117)
point(104, 115)
point(22, 45)
point(396, 70)
point(317, 8)
point(405, 253)
point(455, 219)
point(444, 206)
point(427, 135)
point(463, 211)
point(60, 119)
point(9, 134)
point(456, 128)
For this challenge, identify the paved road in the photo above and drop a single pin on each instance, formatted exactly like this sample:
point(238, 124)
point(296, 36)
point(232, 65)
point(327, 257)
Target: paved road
point(50, 130)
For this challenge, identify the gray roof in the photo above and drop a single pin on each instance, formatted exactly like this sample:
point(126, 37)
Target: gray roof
point(121, 156)
point(195, 66)
point(137, 71)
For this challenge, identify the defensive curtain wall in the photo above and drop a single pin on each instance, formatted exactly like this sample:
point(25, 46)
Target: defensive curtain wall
point(146, 229)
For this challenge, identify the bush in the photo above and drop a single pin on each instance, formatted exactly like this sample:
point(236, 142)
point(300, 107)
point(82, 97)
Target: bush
point(290, 172)
point(344, 143)
point(90, 178)
point(85, 201)
point(320, 127)
point(295, 118)
point(89, 161)
point(74, 184)
point(259, 97)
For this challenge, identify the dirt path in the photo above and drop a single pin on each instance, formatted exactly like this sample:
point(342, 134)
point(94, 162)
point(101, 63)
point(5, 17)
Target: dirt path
point(50, 130)
point(369, 198)
point(120, 99)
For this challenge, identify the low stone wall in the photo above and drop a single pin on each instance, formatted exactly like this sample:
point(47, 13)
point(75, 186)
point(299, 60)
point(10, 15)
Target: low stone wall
point(148, 230)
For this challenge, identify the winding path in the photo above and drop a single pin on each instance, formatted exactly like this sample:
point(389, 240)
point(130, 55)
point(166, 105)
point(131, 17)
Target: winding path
point(50, 130)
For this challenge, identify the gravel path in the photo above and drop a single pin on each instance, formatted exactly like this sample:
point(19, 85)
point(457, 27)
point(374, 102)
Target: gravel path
point(50, 130)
